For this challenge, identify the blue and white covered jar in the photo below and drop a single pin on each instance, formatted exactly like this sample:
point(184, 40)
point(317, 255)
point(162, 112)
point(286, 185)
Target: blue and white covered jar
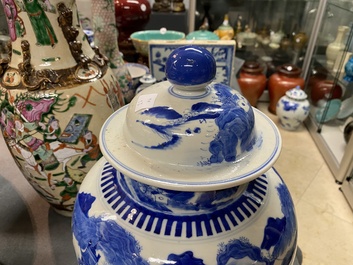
point(293, 108)
point(186, 178)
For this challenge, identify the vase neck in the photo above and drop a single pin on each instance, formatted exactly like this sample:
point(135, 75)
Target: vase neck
point(341, 34)
point(48, 45)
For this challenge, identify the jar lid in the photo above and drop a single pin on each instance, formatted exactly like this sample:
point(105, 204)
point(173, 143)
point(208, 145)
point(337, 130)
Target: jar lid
point(189, 133)
point(296, 93)
point(289, 70)
point(202, 35)
point(148, 79)
point(252, 67)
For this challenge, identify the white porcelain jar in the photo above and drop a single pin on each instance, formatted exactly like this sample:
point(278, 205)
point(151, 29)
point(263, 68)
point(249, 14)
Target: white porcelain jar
point(293, 108)
point(186, 178)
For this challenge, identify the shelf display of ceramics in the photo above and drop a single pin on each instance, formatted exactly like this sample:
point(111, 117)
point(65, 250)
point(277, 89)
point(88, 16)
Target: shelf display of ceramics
point(286, 77)
point(55, 94)
point(163, 179)
point(293, 108)
point(336, 46)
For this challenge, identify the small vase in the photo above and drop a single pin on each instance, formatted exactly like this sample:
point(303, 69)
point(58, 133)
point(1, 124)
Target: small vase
point(225, 31)
point(336, 46)
point(286, 77)
point(56, 93)
point(293, 108)
point(187, 178)
point(252, 82)
point(325, 90)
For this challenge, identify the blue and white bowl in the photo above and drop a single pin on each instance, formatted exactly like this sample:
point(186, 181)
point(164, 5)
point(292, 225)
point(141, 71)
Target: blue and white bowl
point(186, 178)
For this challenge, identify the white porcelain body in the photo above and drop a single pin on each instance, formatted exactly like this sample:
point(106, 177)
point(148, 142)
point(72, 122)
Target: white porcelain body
point(292, 112)
point(336, 46)
point(186, 178)
point(118, 220)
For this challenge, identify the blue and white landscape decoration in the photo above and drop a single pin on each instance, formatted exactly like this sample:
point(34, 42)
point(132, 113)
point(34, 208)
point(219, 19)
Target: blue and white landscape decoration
point(132, 216)
point(293, 108)
point(231, 113)
point(186, 178)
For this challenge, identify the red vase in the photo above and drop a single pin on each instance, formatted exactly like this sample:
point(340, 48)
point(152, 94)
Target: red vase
point(252, 82)
point(324, 90)
point(286, 77)
point(131, 16)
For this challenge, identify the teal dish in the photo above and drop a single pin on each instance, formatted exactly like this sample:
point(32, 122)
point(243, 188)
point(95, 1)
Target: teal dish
point(333, 108)
point(202, 35)
point(140, 39)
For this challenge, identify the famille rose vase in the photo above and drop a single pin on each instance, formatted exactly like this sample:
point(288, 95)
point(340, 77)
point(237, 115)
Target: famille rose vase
point(186, 177)
point(56, 92)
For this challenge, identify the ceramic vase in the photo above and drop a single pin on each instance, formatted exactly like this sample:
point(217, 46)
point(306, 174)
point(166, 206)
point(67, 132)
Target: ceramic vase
point(106, 38)
point(336, 46)
point(252, 82)
point(187, 178)
point(56, 92)
point(131, 16)
point(286, 77)
point(225, 31)
point(325, 90)
point(293, 108)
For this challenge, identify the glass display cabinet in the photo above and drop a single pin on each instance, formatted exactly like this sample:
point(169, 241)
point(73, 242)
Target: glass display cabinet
point(329, 85)
point(270, 32)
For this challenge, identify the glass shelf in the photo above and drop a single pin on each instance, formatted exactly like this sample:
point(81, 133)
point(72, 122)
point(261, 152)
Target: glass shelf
point(328, 132)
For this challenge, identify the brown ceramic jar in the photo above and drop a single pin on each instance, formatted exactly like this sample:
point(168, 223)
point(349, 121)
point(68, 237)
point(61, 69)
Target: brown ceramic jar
point(286, 77)
point(252, 81)
point(325, 90)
